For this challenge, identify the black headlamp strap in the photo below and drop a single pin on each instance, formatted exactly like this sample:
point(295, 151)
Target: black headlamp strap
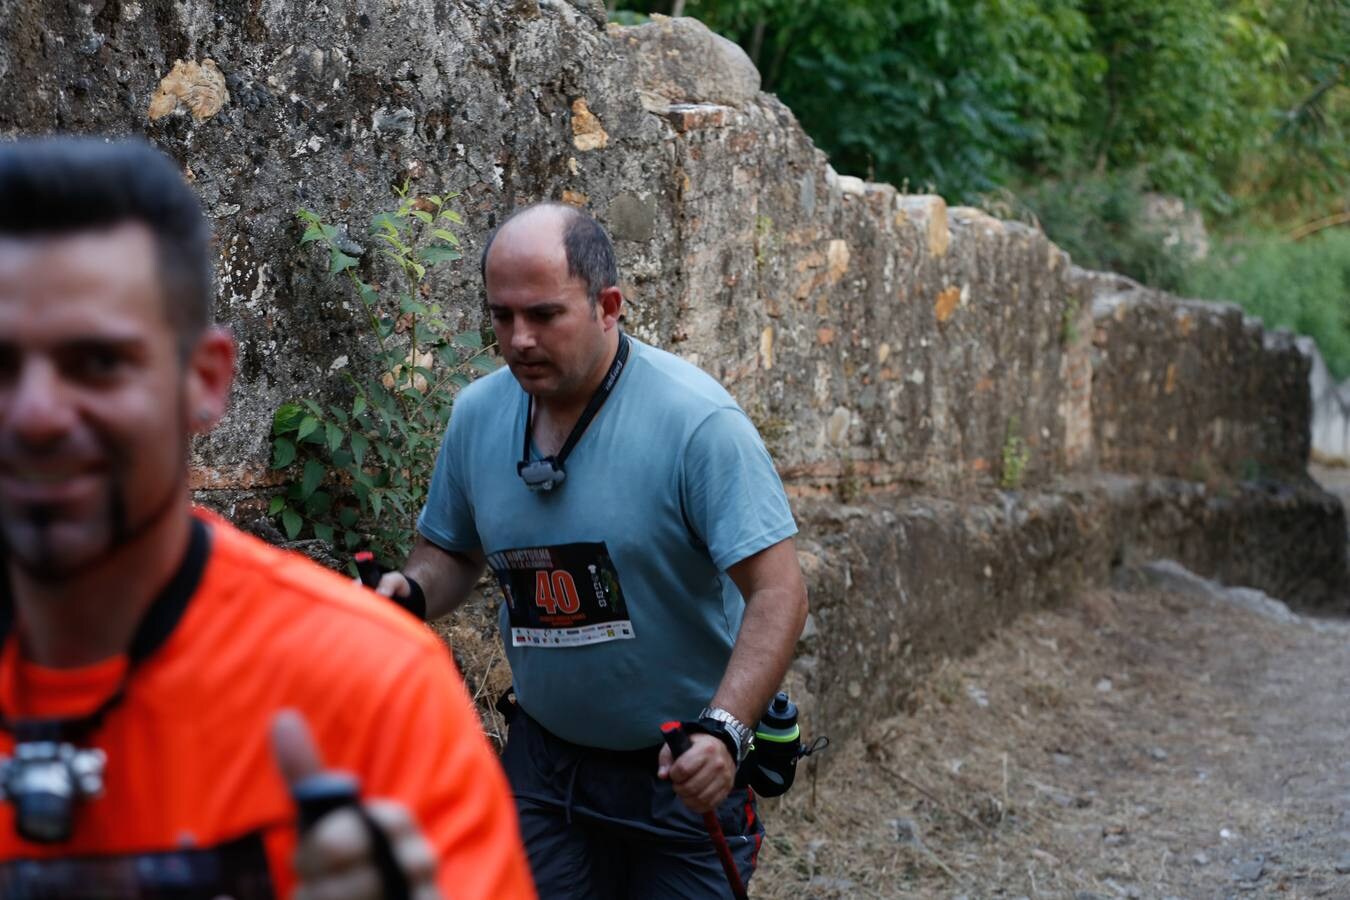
point(597, 400)
point(155, 627)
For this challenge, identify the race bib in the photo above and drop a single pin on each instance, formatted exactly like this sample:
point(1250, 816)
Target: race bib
point(562, 596)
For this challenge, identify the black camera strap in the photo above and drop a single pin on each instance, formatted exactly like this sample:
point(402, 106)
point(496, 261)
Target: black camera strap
point(155, 627)
point(555, 463)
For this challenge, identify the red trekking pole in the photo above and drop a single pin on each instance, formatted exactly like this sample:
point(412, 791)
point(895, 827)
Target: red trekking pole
point(678, 742)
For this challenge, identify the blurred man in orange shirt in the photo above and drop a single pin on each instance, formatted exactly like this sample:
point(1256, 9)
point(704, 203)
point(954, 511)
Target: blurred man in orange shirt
point(165, 680)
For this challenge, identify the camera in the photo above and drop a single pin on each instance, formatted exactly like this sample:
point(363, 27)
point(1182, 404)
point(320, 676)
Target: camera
point(541, 474)
point(43, 781)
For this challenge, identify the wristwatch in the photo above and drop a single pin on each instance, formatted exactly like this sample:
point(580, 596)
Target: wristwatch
point(730, 730)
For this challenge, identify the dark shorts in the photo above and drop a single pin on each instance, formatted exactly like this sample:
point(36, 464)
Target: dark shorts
point(599, 824)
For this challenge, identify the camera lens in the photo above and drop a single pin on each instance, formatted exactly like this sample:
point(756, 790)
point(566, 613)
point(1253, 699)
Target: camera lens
point(43, 794)
point(43, 817)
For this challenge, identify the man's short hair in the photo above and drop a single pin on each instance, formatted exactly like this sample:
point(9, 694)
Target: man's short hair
point(590, 252)
point(53, 186)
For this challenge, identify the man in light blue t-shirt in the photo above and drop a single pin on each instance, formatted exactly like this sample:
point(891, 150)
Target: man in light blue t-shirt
point(644, 547)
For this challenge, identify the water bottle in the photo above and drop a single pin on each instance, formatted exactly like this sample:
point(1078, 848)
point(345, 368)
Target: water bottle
point(772, 764)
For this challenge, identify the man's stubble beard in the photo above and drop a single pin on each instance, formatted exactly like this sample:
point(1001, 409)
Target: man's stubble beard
point(44, 565)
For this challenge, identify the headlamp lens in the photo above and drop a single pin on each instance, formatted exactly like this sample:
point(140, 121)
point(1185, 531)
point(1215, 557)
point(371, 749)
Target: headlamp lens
point(541, 474)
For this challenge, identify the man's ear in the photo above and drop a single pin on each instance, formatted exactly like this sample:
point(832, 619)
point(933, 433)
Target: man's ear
point(210, 372)
point(610, 304)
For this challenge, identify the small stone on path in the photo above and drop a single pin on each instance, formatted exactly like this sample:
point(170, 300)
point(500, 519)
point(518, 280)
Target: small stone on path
point(1252, 870)
point(906, 832)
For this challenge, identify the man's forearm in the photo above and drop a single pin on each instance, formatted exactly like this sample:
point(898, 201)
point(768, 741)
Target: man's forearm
point(775, 611)
point(762, 654)
point(446, 577)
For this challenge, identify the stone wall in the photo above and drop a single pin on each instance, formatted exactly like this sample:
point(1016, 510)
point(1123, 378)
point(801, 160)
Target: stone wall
point(969, 425)
point(874, 335)
point(1190, 389)
point(900, 580)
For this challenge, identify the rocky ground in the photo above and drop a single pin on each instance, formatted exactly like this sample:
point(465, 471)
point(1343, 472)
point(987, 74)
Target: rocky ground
point(1165, 739)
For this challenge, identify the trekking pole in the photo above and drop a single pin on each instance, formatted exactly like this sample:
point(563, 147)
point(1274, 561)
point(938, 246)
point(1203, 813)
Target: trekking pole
point(678, 742)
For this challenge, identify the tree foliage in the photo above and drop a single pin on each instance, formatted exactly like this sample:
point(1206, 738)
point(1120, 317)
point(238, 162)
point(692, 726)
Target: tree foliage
point(1303, 168)
point(1067, 112)
point(1209, 99)
point(948, 94)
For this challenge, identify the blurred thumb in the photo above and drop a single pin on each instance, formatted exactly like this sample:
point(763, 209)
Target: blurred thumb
point(316, 792)
point(393, 584)
point(293, 747)
point(663, 762)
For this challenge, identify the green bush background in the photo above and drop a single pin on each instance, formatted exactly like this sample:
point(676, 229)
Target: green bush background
point(1065, 112)
point(1302, 285)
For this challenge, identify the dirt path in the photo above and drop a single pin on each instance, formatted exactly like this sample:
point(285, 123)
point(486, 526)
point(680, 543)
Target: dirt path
point(1150, 743)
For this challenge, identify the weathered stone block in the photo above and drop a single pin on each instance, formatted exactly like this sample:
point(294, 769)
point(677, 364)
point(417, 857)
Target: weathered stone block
point(682, 60)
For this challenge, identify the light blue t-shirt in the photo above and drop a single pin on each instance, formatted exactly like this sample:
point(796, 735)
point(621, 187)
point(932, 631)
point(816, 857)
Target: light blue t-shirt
point(618, 612)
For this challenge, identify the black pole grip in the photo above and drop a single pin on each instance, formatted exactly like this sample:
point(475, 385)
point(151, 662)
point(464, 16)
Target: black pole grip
point(676, 739)
point(370, 573)
point(318, 795)
point(367, 569)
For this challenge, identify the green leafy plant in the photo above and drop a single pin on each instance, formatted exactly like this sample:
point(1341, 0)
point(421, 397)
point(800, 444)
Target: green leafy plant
point(359, 468)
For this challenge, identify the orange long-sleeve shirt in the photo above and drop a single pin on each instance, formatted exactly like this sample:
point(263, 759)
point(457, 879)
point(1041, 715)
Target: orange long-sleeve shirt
point(191, 786)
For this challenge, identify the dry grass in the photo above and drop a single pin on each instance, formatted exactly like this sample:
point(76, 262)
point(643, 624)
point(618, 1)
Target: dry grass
point(1022, 773)
point(471, 633)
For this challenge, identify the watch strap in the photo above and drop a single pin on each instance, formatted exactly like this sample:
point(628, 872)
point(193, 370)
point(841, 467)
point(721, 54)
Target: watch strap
point(743, 736)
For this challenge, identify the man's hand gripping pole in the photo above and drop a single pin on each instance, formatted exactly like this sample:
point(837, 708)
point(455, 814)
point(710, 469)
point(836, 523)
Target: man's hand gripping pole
point(678, 742)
